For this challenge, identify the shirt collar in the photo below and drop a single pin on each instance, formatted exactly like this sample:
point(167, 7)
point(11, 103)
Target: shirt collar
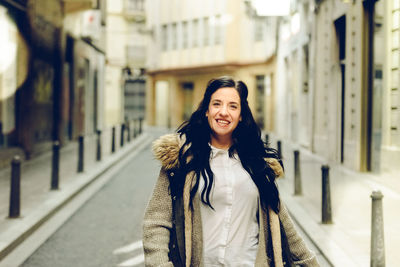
point(217, 151)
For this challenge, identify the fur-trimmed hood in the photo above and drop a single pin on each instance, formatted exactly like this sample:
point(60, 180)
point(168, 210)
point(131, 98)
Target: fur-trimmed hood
point(166, 150)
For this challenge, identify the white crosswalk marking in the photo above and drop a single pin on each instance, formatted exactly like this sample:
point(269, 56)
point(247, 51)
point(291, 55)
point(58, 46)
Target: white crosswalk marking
point(133, 261)
point(139, 259)
point(129, 248)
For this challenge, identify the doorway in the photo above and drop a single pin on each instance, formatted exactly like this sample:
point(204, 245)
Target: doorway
point(340, 26)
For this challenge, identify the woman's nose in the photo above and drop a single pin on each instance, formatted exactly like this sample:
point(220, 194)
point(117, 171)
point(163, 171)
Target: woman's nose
point(224, 110)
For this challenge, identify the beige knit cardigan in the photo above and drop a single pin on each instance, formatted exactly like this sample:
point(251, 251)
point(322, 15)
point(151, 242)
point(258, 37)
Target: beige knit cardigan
point(158, 219)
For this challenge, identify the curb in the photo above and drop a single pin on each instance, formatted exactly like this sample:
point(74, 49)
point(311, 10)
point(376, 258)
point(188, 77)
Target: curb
point(23, 227)
point(318, 233)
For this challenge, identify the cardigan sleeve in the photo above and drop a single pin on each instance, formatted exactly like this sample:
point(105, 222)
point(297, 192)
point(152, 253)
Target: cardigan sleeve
point(157, 224)
point(301, 254)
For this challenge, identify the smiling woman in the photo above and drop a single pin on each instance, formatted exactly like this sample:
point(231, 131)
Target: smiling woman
point(223, 116)
point(216, 202)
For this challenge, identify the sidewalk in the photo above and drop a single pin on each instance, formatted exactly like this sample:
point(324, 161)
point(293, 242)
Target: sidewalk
point(347, 241)
point(38, 202)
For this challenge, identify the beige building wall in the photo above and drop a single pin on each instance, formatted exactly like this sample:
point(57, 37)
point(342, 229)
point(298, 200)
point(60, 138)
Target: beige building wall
point(295, 76)
point(117, 33)
point(391, 88)
point(340, 120)
point(193, 42)
point(328, 90)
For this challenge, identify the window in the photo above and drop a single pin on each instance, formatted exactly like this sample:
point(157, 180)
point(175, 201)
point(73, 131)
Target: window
point(206, 32)
point(188, 99)
point(164, 38)
point(218, 30)
point(184, 35)
point(174, 36)
point(195, 32)
point(133, 5)
point(258, 30)
point(260, 92)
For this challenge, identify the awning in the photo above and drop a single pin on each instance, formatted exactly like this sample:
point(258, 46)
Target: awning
point(71, 6)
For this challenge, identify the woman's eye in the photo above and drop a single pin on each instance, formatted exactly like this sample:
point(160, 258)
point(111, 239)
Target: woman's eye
point(233, 107)
point(216, 104)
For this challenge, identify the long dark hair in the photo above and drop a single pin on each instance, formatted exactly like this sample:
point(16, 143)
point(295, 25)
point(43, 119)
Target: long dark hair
point(194, 155)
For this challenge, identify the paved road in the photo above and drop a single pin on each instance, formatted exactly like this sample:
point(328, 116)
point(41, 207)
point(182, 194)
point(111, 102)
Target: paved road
point(107, 230)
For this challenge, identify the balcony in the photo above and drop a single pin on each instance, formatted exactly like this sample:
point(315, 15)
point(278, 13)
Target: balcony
point(134, 10)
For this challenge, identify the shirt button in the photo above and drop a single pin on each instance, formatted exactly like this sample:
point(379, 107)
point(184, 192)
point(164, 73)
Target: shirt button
point(172, 174)
point(174, 197)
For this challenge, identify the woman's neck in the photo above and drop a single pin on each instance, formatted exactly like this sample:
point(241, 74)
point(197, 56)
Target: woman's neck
point(221, 142)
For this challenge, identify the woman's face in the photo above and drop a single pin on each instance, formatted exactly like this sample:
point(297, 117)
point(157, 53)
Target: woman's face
point(224, 112)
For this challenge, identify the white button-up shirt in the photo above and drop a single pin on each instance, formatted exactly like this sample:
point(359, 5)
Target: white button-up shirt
point(230, 231)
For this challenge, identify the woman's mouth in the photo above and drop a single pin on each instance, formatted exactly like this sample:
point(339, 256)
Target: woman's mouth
point(222, 123)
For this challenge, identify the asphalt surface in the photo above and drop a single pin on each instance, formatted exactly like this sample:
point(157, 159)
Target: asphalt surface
point(107, 230)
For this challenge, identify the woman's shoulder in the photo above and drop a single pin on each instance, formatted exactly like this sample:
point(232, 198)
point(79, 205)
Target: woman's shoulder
point(166, 150)
point(276, 166)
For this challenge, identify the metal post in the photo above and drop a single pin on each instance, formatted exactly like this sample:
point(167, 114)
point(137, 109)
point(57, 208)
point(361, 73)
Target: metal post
point(134, 128)
point(122, 134)
point(55, 166)
point(140, 125)
point(113, 140)
point(267, 138)
point(1, 134)
point(80, 153)
point(297, 175)
point(98, 149)
point(15, 188)
point(279, 145)
point(128, 130)
point(377, 233)
point(326, 196)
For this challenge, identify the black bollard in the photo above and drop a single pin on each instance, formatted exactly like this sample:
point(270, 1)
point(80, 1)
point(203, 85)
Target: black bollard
point(377, 233)
point(326, 196)
point(122, 134)
point(267, 138)
point(279, 145)
point(98, 147)
point(297, 175)
point(113, 140)
point(140, 125)
point(15, 188)
point(55, 166)
point(1, 134)
point(81, 153)
point(128, 131)
point(134, 128)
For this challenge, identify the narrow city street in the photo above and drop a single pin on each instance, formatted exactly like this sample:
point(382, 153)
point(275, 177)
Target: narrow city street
point(106, 231)
point(87, 85)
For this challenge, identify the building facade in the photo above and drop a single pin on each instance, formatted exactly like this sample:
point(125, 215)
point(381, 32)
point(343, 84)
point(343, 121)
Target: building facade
point(126, 53)
point(338, 81)
point(49, 87)
point(191, 42)
point(387, 83)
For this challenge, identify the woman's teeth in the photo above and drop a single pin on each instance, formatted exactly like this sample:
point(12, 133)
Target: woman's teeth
point(223, 122)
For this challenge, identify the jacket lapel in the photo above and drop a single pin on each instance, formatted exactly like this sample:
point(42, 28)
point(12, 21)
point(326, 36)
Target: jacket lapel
point(276, 237)
point(188, 216)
